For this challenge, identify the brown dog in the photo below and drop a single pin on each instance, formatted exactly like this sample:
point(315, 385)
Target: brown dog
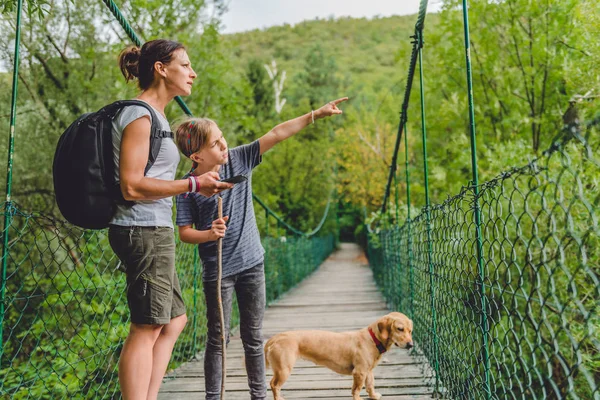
point(349, 353)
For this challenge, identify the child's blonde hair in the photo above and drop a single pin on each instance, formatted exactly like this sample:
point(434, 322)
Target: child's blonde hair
point(192, 134)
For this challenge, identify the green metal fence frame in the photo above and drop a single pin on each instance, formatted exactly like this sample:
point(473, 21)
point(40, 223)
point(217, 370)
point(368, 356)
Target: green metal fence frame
point(9, 171)
point(475, 187)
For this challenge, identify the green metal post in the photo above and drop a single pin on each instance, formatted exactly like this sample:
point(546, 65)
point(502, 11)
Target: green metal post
point(396, 189)
point(407, 172)
point(267, 259)
point(388, 264)
point(337, 210)
point(11, 150)
point(481, 268)
point(278, 256)
point(195, 283)
point(267, 223)
point(428, 215)
point(408, 240)
point(396, 263)
point(337, 223)
point(295, 260)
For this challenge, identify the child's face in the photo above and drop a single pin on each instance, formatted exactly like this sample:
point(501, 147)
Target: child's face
point(214, 151)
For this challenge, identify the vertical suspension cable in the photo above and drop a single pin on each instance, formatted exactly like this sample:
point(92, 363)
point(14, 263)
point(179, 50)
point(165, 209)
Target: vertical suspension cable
point(195, 301)
point(404, 113)
point(408, 224)
point(279, 275)
point(394, 271)
point(428, 217)
point(266, 222)
point(8, 209)
point(337, 206)
point(406, 166)
point(481, 269)
point(396, 195)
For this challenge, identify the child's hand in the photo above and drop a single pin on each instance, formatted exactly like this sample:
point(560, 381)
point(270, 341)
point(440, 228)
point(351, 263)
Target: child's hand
point(329, 109)
point(218, 228)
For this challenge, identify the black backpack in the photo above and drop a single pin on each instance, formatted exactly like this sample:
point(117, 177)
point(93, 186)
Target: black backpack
point(86, 190)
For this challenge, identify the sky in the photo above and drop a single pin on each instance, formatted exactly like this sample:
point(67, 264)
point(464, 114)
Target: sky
point(244, 15)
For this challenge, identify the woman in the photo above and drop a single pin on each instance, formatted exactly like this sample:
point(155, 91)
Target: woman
point(142, 235)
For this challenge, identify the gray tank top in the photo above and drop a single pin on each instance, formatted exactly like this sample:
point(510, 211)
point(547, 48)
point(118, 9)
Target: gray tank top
point(147, 212)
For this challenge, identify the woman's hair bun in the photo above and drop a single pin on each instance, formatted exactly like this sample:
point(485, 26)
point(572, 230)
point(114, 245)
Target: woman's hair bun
point(129, 61)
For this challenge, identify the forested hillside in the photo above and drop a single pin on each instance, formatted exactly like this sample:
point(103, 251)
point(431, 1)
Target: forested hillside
point(535, 66)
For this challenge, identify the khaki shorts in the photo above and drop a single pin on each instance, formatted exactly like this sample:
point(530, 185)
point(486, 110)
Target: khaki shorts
point(148, 253)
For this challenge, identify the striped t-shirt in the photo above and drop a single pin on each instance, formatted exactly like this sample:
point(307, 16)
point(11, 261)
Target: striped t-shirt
point(241, 245)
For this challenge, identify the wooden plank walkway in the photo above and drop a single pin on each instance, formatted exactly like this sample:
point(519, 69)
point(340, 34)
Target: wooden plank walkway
point(340, 296)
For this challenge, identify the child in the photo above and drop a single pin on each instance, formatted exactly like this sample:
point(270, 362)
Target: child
point(243, 255)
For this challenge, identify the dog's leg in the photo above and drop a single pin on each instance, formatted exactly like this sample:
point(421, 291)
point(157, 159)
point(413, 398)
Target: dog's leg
point(359, 381)
point(280, 375)
point(281, 356)
point(371, 387)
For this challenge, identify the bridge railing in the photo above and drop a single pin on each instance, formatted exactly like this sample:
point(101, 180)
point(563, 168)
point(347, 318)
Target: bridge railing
point(530, 327)
point(503, 279)
point(65, 312)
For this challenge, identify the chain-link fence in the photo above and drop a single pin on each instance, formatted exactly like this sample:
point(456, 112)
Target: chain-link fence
point(525, 325)
point(65, 311)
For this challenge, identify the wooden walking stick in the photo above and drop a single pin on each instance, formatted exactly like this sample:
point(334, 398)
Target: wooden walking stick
point(220, 303)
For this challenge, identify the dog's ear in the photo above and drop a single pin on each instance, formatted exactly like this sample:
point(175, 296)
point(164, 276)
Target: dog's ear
point(384, 328)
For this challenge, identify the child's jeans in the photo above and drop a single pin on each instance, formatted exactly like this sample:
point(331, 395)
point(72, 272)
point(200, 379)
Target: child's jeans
point(249, 287)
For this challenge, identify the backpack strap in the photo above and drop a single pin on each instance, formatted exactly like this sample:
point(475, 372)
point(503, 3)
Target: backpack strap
point(156, 133)
point(156, 137)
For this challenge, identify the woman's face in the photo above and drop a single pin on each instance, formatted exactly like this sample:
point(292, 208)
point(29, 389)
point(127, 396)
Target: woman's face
point(179, 74)
point(214, 152)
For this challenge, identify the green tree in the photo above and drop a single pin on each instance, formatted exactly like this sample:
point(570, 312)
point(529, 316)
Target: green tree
point(521, 51)
point(262, 89)
point(318, 79)
point(32, 7)
point(261, 109)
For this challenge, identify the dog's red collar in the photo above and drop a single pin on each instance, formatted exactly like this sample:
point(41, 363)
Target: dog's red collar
point(379, 345)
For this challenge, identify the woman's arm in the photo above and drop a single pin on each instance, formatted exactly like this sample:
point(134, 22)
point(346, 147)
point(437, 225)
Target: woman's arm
point(188, 234)
point(293, 126)
point(135, 146)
